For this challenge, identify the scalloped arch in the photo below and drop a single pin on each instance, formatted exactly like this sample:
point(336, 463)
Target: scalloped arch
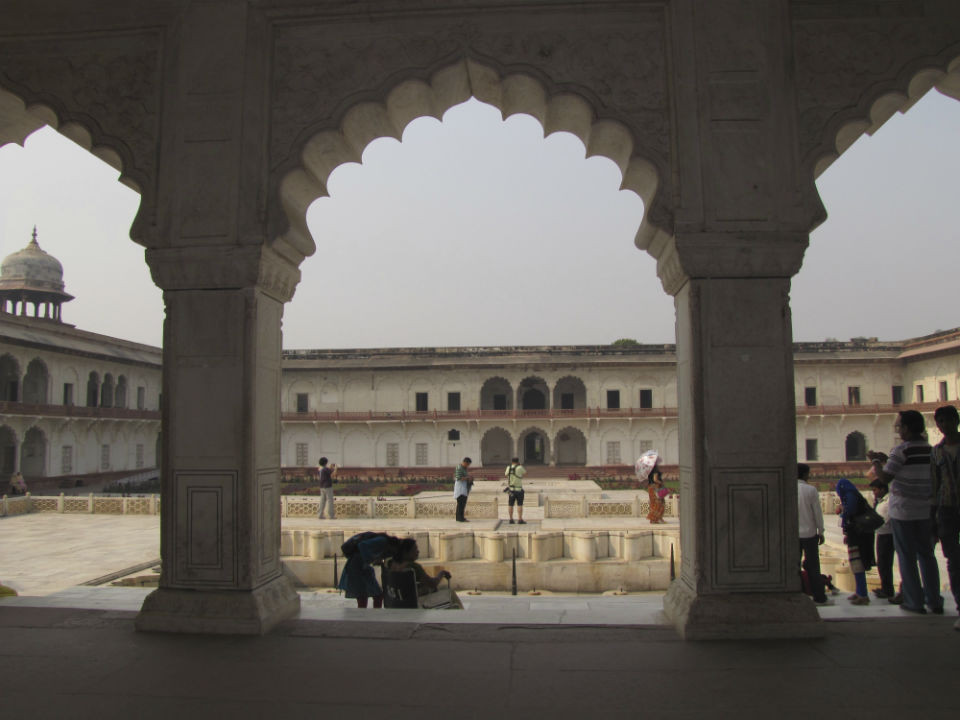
point(19, 119)
point(453, 85)
point(880, 105)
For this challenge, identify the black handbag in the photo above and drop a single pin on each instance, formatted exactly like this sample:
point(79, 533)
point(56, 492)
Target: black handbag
point(868, 521)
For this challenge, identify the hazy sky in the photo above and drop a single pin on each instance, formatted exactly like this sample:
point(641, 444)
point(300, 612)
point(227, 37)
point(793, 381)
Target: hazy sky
point(476, 231)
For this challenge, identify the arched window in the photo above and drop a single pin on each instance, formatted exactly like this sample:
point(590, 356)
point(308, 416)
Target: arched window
point(93, 390)
point(36, 383)
point(106, 391)
point(120, 396)
point(8, 452)
point(9, 378)
point(856, 446)
point(496, 447)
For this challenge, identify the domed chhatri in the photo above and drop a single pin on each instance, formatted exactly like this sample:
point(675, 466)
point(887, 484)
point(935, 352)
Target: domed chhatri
point(32, 277)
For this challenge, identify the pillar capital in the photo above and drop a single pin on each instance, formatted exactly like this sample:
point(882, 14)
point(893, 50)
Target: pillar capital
point(214, 267)
point(713, 255)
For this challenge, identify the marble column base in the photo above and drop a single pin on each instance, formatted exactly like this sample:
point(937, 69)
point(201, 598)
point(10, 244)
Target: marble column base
point(741, 616)
point(223, 612)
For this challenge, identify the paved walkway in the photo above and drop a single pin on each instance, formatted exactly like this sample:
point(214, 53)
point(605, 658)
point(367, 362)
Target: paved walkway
point(71, 652)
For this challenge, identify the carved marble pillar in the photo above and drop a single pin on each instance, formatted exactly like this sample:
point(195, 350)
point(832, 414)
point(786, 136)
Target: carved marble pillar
point(220, 511)
point(738, 527)
point(743, 213)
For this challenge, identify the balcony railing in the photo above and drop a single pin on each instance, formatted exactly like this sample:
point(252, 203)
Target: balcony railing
point(8, 407)
point(434, 415)
point(579, 413)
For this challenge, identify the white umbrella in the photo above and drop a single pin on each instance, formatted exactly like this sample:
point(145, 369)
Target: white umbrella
point(645, 464)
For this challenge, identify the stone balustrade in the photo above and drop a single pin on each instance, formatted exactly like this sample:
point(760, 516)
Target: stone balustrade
point(89, 504)
point(499, 546)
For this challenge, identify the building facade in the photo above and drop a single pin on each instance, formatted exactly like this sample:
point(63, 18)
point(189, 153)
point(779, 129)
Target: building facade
point(582, 405)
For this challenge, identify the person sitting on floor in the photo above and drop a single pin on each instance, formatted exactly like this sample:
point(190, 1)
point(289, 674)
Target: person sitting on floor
point(406, 559)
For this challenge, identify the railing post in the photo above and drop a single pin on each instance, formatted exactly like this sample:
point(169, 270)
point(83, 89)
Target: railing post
point(411, 507)
point(60, 503)
point(90, 503)
point(371, 507)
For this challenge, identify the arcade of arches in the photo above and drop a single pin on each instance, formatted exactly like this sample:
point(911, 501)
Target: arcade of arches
point(718, 114)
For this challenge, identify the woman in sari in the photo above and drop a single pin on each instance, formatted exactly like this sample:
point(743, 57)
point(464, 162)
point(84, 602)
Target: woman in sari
point(655, 492)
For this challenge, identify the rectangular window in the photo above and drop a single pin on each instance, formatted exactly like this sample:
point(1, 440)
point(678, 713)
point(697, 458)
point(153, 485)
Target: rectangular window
point(645, 445)
point(68, 393)
point(810, 396)
point(566, 401)
point(303, 402)
point(919, 393)
point(66, 459)
point(812, 453)
point(613, 452)
point(499, 402)
point(453, 401)
point(943, 391)
point(613, 399)
point(139, 455)
point(421, 402)
point(853, 395)
point(141, 397)
point(421, 449)
point(453, 435)
point(896, 393)
point(646, 399)
point(104, 457)
point(393, 454)
point(303, 459)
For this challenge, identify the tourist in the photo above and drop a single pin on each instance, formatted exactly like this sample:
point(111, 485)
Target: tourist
point(514, 474)
point(811, 532)
point(327, 473)
point(907, 472)
point(17, 485)
point(885, 552)
point(945, 476)
point(657, 493)
point(363, 551)
point(857, 538)
point(406, 559)
point(462, 483)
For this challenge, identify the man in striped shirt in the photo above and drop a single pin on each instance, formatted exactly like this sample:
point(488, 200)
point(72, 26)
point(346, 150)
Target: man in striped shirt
point(907, 470)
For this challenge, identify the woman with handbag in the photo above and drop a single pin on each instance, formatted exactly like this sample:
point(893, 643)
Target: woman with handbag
point(858, 521)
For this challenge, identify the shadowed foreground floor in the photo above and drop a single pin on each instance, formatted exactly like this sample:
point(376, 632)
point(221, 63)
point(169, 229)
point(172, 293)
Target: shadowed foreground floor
point(71, 663)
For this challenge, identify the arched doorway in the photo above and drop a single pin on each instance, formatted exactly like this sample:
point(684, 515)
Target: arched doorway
point(856, 446)
point(9, 378)
point(36, 383)
point(496, 447)
point(534, 447)
point(532, 394)
point(571, 445)
point(496, 394)
point(33, 453)
point(8, 452)
point(569, 394)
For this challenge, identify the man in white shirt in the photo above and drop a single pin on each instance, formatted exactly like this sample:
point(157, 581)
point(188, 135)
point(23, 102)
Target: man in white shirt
point(811, 532)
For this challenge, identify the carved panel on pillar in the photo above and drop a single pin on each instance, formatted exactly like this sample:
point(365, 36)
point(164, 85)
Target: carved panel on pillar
point(205, 552)
point(749, 532)
point(268, 518)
